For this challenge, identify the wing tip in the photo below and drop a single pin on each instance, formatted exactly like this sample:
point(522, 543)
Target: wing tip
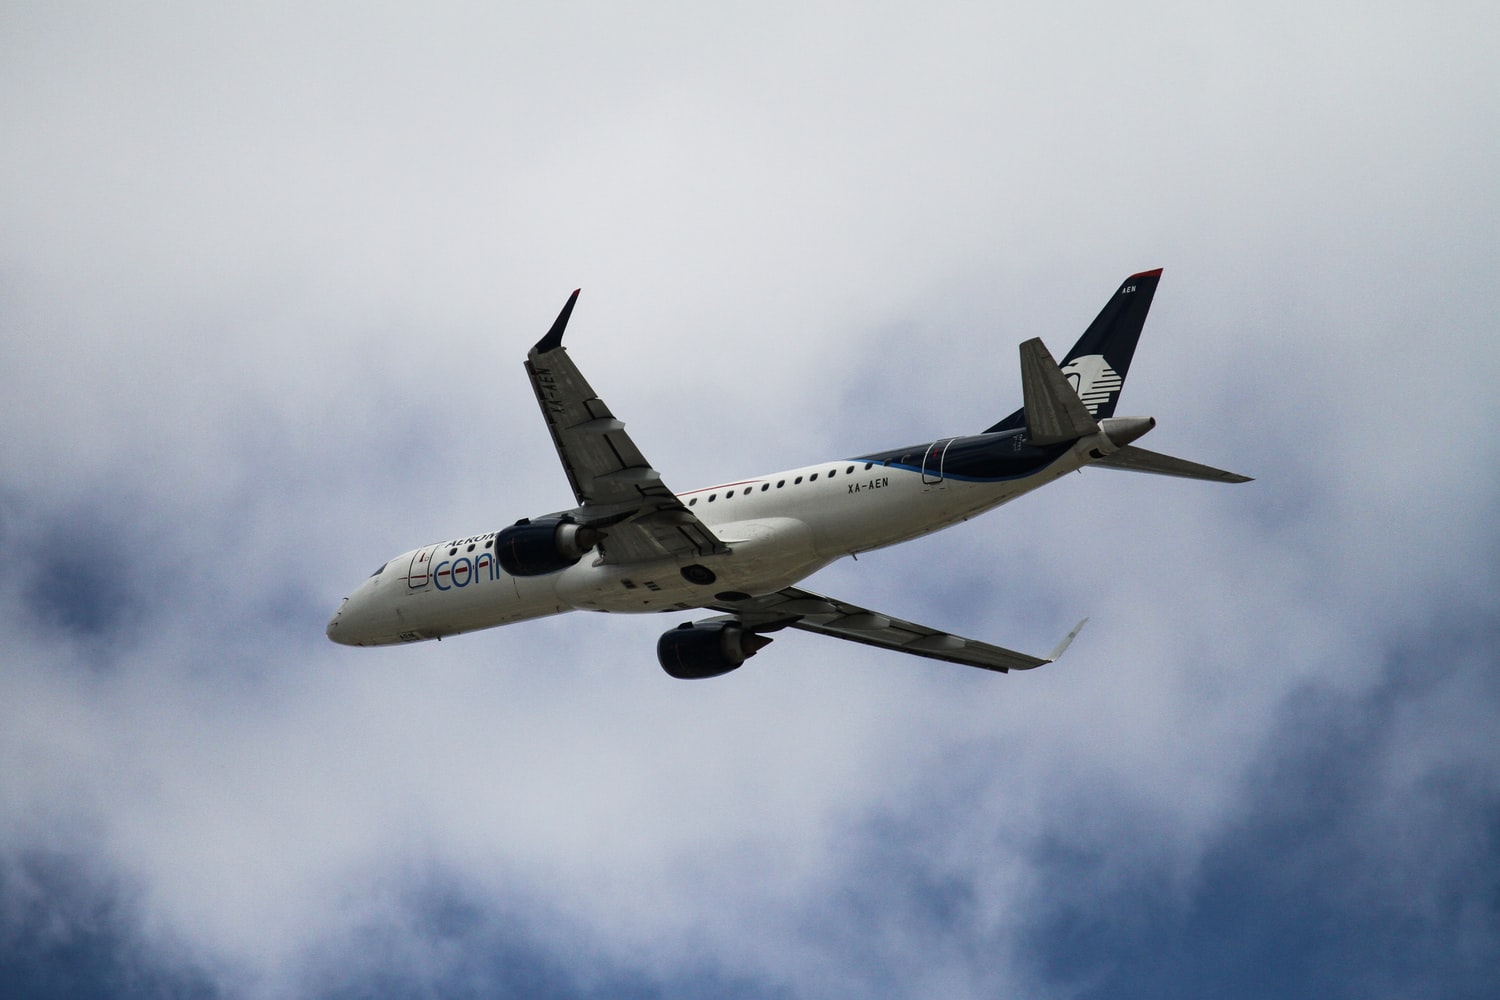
point(553, 340)
point(1067, 641)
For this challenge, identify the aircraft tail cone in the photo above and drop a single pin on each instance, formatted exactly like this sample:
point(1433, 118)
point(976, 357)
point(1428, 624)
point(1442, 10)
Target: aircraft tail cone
point(1123, 430)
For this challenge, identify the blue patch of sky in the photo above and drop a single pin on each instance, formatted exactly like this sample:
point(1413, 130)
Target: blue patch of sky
point(77, 571)
point(78, 587)
point(892, 883)
point(1323, 888)
point(64, 936)
point(70, 936)
point(477, 947)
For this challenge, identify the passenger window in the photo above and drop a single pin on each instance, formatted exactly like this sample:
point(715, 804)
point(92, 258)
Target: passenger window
point(812, 478)
point(850, 471)
point(711, 497)
point(780, 483)
point(869, 466)
point(832, 473)
point(470, 548)
point(693, 502)
point(797, 481)
point(453, 551)
point(489, 543)
point(764, 487)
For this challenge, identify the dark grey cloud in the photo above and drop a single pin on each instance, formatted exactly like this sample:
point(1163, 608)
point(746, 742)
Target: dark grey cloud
point(83, 570)
point(66, 931)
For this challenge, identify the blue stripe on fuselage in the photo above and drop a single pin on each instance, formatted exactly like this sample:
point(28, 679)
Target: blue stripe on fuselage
point(981, 458)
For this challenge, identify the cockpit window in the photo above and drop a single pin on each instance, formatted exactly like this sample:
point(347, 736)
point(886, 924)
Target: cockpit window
point(380, 570)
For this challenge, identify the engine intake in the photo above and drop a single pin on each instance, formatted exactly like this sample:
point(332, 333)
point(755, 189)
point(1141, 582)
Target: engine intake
point(547, 545)
point(698, 650)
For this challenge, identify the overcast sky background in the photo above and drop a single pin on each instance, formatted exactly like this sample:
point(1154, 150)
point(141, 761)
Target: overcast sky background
point(266, 282)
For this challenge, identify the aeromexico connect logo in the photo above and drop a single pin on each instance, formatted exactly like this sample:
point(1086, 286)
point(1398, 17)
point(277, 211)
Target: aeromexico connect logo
point(1093, 379)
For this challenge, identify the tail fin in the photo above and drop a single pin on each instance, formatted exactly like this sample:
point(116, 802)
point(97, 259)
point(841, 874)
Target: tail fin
point(1098, 363)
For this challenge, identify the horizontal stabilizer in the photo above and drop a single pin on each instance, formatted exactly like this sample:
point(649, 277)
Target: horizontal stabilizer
point(1054, 413)
point(1133, 459)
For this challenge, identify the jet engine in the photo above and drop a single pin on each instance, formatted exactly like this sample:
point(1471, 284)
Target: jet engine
point(546, 545)
point(697, 650)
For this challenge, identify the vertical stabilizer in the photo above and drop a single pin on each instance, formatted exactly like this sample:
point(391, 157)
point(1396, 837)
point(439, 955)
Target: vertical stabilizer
point(1097, 365)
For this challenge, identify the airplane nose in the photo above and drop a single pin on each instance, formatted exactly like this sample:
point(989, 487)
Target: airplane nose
point(333, 623)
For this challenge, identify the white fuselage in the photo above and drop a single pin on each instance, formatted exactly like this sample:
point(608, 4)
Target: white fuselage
point(778, 529)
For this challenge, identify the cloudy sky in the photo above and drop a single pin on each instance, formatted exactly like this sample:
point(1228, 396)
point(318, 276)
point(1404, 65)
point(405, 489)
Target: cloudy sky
point(266, 281)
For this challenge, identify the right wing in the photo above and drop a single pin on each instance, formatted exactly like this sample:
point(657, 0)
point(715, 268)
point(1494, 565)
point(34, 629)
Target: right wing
point(802, 609)
point(616, 488)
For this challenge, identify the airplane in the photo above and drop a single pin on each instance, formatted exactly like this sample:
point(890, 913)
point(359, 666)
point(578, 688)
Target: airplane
point(740, 548)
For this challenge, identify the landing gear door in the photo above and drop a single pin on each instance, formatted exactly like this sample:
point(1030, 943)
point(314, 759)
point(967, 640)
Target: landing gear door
point(419, 574)
point(932, 462)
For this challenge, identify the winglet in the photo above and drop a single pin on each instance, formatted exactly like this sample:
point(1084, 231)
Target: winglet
point(553, 340)
point(1062, 647)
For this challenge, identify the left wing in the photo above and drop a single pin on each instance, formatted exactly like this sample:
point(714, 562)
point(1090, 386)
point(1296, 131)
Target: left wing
point(811, 612)
point(616, 488)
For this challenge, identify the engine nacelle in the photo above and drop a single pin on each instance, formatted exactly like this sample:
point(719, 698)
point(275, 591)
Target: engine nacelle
point(697, 650)
point(535, 548)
